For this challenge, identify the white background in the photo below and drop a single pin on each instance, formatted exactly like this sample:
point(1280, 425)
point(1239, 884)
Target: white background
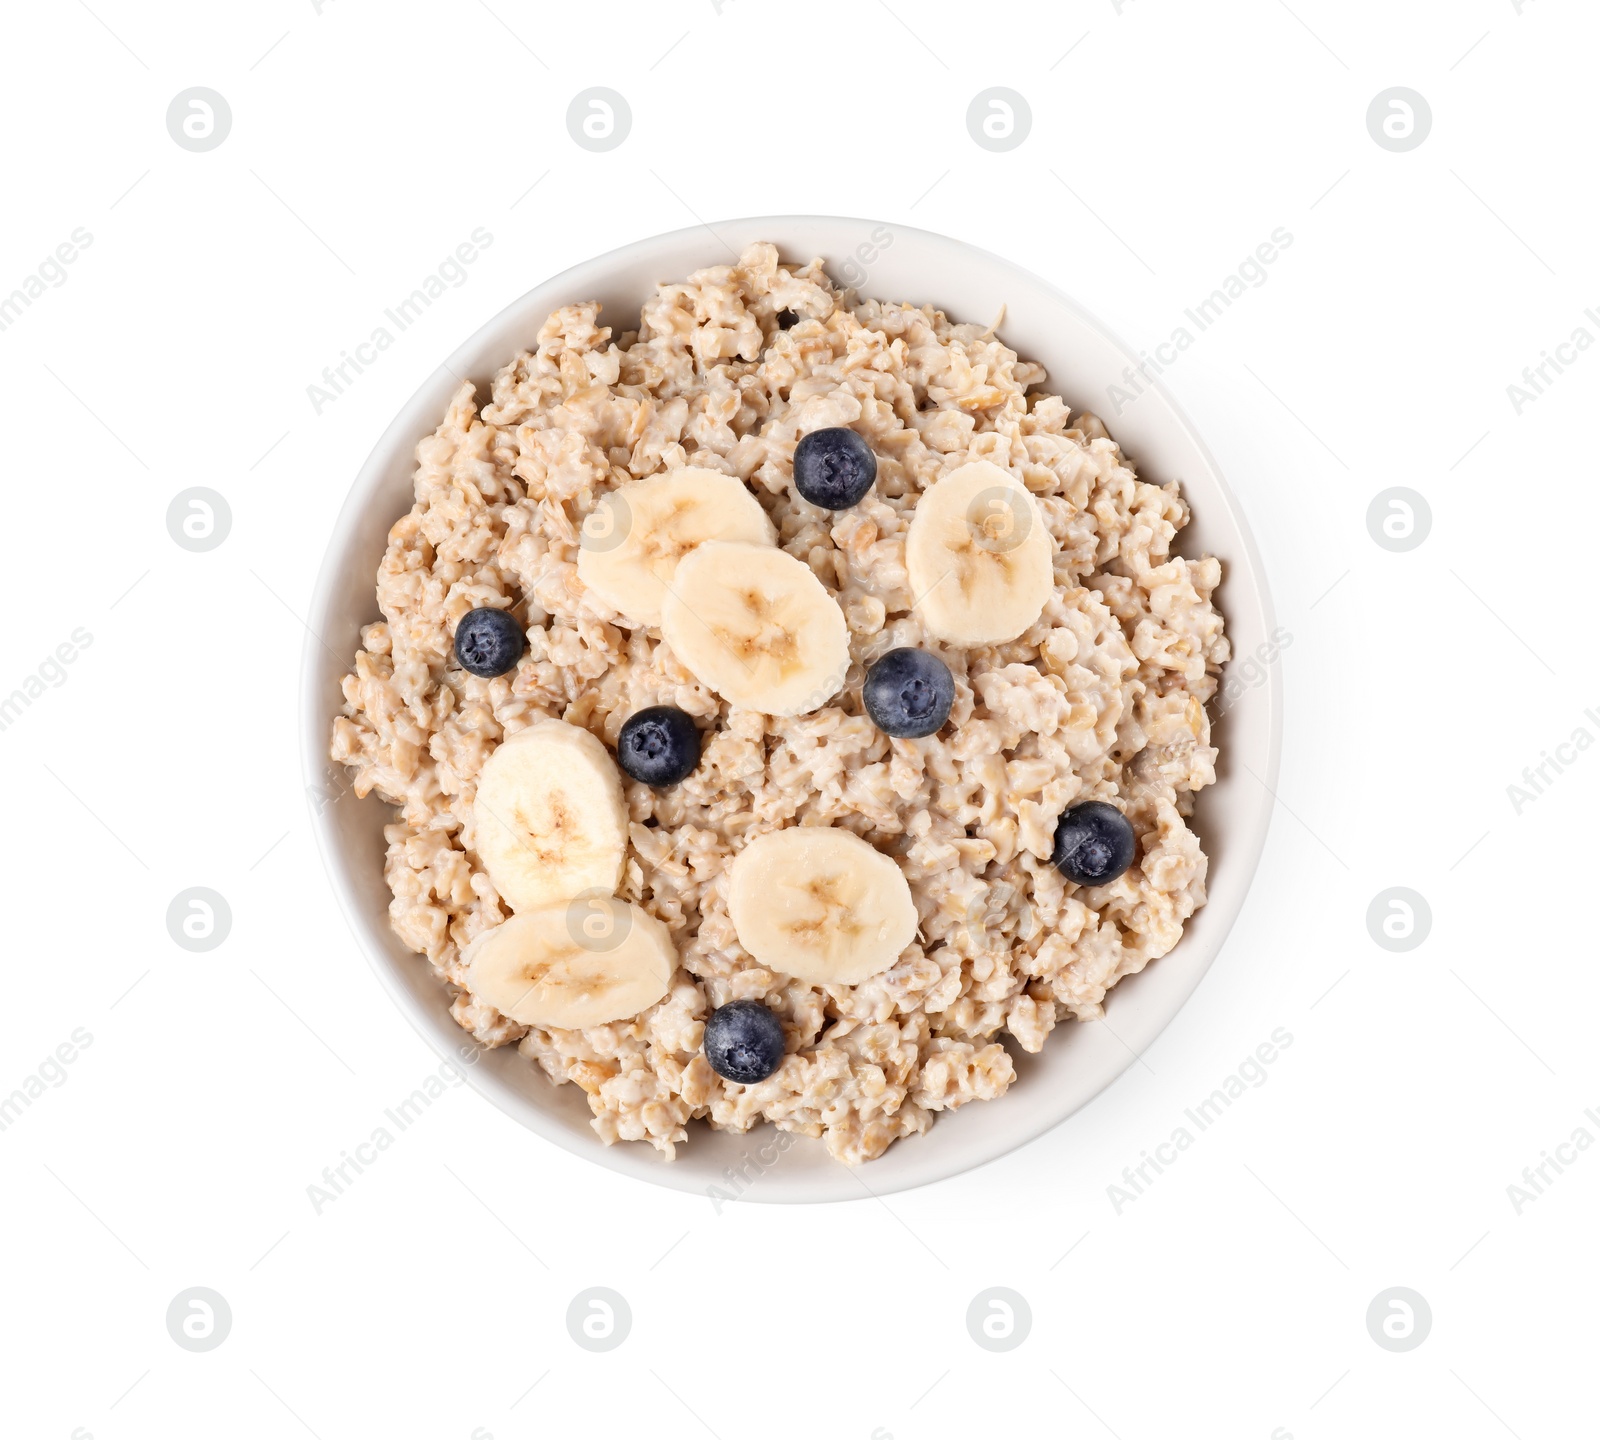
point(1230, 1299)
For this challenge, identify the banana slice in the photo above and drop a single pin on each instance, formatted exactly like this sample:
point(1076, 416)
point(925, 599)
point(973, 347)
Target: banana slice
point(758, 627)
point(573, 965)
point(979, 557)
point(549, 819)
point(820, 904)
point(633, 540)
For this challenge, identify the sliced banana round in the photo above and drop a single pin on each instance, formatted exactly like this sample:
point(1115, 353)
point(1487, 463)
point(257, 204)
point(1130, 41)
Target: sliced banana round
point(978, 557)
point(758, 627)
point(821, 904)
point(570, 966)
point(549, 819)
point(633, 540)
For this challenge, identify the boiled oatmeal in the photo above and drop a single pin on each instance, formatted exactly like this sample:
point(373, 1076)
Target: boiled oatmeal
point(785, 706)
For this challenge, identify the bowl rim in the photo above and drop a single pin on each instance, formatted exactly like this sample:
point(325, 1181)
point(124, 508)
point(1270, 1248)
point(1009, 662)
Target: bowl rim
point(409, 427)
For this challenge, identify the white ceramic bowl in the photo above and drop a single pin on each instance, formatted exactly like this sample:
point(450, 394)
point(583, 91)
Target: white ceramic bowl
point(1080, 1060)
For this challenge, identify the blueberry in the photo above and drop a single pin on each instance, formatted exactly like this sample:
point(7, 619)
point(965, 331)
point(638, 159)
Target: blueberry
point(787, 319)
point(659, 746)
point(908, 693)
point(489, 642)
point(834, 468)
point(744, 1041)
point(1094, 843)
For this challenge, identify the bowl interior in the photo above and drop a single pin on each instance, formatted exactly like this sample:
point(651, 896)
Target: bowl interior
point(1083, 359)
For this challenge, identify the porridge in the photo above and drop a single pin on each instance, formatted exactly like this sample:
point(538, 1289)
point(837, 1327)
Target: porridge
point(783, 705)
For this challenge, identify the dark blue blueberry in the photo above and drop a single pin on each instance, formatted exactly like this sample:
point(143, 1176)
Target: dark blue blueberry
point(744, 1041)
point(1094, 843)
point(834, 468)
point(787, 319)
point(659, 746)
point(489, 642)
point(908, 693)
